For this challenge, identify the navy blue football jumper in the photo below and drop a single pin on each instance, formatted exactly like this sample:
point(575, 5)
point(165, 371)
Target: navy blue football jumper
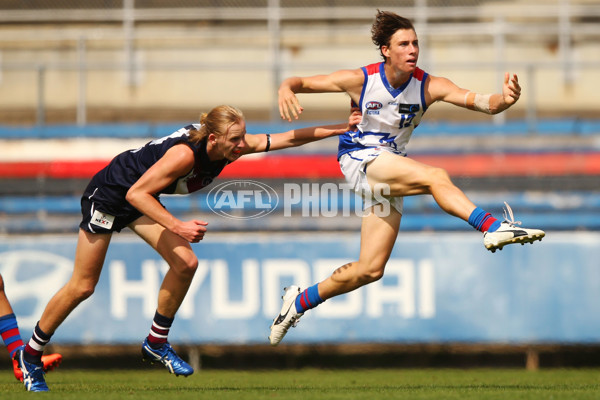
point(105, 194)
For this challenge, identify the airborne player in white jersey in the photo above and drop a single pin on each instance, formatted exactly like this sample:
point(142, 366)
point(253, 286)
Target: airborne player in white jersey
point(392, 96)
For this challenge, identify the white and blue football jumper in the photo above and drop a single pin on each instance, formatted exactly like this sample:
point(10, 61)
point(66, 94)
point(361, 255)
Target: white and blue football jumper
point(389, 117)
point(389, 114)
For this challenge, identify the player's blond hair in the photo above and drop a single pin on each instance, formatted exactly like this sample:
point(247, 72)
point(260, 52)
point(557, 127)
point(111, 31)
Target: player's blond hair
point(217, 121)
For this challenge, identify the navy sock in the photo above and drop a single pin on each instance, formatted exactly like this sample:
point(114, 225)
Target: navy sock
point(35, 347)
point(308, 299)
point(159, 330)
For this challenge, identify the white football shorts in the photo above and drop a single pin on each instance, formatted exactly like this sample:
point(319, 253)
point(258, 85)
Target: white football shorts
point(354, 167)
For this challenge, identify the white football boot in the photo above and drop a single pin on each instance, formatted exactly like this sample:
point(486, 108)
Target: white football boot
point(288, 316)
point(509, 233)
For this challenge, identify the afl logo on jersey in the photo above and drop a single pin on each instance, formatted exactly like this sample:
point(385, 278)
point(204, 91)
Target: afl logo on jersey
point(373, 105)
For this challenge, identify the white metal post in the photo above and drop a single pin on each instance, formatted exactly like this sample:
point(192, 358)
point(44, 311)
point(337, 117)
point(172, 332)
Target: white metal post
point(499, 47)
point(274, 26)
point(41, 111)
point(531, 108)
point(421, 28)
point(128, 32)
point(81, 101)
point(564, 41)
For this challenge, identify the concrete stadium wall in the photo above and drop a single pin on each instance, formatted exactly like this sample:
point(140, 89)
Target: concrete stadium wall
point(194, 70)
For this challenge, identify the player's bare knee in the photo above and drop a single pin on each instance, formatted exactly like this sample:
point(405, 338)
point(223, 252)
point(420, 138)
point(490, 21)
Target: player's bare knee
point(437, 176)
point(187, 266)
point(1, 284)
point(82, 291)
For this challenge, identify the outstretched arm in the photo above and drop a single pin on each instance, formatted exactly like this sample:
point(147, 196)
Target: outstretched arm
point(442, 89)
point(297, 137)
point(349, 81)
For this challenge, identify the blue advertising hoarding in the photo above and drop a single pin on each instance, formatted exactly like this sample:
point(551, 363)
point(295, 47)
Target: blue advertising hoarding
point(438, 287)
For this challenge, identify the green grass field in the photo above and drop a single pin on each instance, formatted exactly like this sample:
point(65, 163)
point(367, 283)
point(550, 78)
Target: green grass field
point(318, 384)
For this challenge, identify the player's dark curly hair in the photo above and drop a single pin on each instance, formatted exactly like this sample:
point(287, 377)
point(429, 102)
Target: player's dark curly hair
point(217, 121)
point(385, 25)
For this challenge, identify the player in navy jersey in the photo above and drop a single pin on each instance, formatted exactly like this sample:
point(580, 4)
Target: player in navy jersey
point(392, 96)
point(126, 194)
point(9, 331)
